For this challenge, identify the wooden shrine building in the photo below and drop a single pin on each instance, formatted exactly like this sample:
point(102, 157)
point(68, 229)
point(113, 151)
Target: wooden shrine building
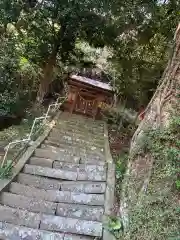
point(87, 96)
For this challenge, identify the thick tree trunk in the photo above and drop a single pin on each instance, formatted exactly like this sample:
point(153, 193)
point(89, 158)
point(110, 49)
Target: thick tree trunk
point(63, 44)
point(46, 78)
point(157, 115)
point(47, 70)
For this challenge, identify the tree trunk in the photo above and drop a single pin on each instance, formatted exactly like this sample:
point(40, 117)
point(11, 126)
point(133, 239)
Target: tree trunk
point(46, 78)
point(157, 115)
point(47, 70)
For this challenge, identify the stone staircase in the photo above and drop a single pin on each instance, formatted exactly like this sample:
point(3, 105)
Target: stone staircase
point(60, 192)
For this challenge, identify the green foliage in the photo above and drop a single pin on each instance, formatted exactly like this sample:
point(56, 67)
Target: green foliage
point(178, 184)
point(157, 215)
point(16, 82)
point(164, 145)
point(50, 31)
point(156, 220)
point(6, 171)
point(141, 50)
point(114, 225)
point(121, 164)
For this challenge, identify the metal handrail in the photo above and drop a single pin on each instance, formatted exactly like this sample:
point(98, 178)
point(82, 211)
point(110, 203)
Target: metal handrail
point(56, 106)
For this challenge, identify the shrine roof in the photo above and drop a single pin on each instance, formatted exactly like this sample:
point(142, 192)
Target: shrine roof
point(92, 82)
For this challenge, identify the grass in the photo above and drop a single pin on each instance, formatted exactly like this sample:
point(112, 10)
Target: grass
point(18, 132)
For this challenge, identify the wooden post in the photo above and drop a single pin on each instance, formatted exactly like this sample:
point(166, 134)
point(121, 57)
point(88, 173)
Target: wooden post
point(74, 102)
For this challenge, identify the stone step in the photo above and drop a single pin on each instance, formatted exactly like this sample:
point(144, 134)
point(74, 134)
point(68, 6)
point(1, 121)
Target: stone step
point(92, 173)
point(49, 222)
point(38, 182)
point(43, 162)
point(76, 137)
point(47, 196)
point(88, 159)
point(65, 142)
point(66, 116)
point(98, 156)
point(80, 211)
point(75, 166)
point(13, 232)
point(71, 225)
point(80, 128)
point(75, 140)
point(74, 147)
point(78, 132)
point(19, 217)
point(45, 153)
point(32, 192)
point(49, 172)
point(81, 172)
point(86, 122)
point(77, 237)
point(49, 184)
point(29, 203)
point(84, 187)
point(85, 172)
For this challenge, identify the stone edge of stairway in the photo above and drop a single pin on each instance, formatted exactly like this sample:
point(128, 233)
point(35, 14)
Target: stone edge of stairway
point(110, 188)
point(4, 183)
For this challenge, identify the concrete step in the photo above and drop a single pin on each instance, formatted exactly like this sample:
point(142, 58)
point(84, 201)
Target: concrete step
point(71, 225)
point(80, 211)
point(49, 184)
point(19, 217)
point(49, 172)
point(38, 182)
point(14, 232)
point(47, 196)
point(54, 155)
point(29, 203)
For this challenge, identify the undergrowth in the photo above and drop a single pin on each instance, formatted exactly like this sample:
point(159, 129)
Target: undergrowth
point(157, 217)
point(6, 171)
point(16, 131)
point(121, 163)
point(114, 222)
